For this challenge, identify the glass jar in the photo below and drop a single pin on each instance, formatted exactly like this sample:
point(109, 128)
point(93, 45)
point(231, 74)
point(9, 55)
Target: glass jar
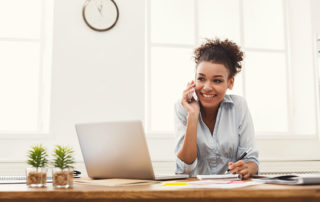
point(36, 177)
point(62, 178)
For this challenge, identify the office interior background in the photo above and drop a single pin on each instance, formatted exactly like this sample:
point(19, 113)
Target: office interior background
point(55, 72)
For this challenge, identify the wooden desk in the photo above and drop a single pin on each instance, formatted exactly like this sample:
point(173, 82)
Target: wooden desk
point(258, 193)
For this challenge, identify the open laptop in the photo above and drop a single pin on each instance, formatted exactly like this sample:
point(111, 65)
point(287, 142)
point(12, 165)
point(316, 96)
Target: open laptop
point(117, 150)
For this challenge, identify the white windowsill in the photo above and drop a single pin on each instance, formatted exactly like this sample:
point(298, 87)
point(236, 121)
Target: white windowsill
point(27, 135)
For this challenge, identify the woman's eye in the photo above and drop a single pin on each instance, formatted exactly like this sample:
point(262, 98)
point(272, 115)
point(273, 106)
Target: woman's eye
point(201, 79)
point(217, 81)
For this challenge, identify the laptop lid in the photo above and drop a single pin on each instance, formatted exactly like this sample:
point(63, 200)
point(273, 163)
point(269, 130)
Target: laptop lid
point(115, 150)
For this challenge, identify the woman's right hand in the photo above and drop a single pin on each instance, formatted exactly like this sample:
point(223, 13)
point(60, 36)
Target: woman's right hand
point(191, 106)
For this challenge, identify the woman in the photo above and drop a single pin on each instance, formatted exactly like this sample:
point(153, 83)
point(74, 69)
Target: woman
point(214, 129)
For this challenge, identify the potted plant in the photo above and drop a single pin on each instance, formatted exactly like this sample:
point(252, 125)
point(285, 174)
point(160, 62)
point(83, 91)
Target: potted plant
point(62, 173)
point(38, 159)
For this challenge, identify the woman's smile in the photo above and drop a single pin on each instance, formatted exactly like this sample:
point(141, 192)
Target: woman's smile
point(207, 96)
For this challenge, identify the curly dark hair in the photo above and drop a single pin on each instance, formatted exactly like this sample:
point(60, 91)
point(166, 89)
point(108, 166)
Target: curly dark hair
point(224, 52)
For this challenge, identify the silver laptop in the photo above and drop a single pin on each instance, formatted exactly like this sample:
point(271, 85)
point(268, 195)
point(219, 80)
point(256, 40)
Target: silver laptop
point(117, 150)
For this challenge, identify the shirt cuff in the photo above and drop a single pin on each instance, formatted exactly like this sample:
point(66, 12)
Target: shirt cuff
point(183, 168)
point(253, 160)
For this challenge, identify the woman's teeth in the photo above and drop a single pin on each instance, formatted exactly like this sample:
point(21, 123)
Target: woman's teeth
point(205, 95)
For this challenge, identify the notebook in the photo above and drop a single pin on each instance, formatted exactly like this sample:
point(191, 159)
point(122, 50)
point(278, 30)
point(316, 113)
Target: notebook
point(117, 150)
point(17, 179)
point(21, 179)
point(232, 177)
point(302, 179)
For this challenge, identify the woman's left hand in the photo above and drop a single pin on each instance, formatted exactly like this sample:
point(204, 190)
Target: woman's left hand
point(246, 169)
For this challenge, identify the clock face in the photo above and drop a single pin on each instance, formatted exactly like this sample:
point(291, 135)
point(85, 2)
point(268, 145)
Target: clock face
point(100, 15)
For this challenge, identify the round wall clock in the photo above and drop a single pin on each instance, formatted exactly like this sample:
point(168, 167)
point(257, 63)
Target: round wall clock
point(100, 15)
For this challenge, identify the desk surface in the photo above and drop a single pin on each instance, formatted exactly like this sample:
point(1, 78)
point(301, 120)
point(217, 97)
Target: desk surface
point(261, 193)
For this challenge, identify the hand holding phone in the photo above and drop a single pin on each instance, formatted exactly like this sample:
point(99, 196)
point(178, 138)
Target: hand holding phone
point(191, 92)
point(189, 100)
point(192, 95)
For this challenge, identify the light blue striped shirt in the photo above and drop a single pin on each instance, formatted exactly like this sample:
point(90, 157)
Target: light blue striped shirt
point(233, 135)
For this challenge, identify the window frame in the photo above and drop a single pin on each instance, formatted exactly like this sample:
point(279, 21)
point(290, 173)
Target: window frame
point(45, 55)
point(285, 51)
point(264, 140)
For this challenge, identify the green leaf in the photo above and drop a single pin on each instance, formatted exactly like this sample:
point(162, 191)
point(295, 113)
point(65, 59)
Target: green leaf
point(63, 157)
point(37, 156)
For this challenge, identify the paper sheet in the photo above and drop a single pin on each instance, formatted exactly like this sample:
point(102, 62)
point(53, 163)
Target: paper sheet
point(223, 184)
point(113, 182)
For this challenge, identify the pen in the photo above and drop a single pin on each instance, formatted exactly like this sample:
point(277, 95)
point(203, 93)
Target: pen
point(241, 157)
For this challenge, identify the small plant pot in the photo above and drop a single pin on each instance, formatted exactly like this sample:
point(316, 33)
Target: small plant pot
point(36, 177)
point(62, 178)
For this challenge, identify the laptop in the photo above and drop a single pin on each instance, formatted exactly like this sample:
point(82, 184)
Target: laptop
point(117, 150)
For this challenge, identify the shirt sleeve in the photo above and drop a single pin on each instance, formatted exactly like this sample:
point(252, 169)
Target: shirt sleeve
point(247, 136)
point(180, 130)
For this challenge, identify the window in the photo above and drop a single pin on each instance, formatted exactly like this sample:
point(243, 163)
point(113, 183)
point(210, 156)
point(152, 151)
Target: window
point(24, 66)
point(277, 78)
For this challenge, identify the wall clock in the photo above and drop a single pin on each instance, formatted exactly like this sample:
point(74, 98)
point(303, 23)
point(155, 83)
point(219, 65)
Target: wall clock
point(100, 15)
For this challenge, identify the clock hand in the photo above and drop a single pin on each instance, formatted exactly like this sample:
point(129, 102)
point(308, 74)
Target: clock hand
point(100, 9)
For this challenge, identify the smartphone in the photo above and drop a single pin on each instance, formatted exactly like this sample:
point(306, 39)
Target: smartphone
point(192, 95)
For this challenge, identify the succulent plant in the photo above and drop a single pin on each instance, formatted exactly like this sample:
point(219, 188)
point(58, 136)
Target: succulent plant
point(63, 157)
point(37, 156)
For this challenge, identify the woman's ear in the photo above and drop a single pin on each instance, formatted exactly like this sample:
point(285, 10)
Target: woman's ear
point(230, 83)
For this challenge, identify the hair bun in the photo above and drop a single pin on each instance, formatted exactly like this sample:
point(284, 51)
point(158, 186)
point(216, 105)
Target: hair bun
point(226, 52)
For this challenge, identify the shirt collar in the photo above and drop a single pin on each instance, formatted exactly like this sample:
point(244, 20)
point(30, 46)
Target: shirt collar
point(227, 99)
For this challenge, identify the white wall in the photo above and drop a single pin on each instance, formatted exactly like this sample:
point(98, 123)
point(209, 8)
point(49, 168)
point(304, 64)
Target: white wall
point(95, 76)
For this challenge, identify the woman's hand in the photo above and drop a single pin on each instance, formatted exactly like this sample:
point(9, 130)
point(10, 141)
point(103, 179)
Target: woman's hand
point(191, 106)
point(246, 169)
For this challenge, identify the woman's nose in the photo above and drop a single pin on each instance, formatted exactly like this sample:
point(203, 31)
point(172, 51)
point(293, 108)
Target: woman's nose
point(207, 86)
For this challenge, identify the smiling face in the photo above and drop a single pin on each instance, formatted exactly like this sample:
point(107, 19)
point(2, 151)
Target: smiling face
point(212, 81)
